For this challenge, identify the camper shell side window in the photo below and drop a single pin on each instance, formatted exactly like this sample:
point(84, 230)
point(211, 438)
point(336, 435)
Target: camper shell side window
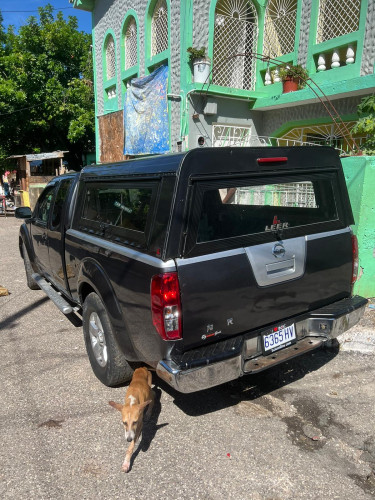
point(119, 211)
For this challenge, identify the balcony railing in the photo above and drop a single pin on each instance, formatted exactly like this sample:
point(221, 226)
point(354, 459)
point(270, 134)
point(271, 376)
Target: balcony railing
point(334, 58)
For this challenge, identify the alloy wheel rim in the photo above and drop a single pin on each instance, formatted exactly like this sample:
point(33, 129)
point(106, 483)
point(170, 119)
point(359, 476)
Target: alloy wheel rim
point(97, 339)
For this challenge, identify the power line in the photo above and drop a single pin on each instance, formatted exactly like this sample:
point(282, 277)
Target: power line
point(22, 109)
point(26, 11)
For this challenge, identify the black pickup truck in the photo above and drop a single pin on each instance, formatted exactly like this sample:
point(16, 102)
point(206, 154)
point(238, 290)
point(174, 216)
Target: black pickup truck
point(206, 265)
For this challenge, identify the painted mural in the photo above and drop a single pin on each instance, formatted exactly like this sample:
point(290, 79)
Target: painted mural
point(146, 125)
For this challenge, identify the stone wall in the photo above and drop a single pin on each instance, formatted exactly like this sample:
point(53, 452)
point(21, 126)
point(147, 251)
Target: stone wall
point(274, 119)
point(304, 33)
point(368, 58)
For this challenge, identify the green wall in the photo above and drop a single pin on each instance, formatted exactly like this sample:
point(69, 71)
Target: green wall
point(360, 178)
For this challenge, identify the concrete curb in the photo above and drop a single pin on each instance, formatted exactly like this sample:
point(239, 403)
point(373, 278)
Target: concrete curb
point(361, 338)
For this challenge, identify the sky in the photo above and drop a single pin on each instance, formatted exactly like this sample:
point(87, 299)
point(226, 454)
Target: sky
point(8, 8)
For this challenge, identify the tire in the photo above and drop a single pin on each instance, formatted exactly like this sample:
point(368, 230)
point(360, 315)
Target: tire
point(106, 359)
point(31, 283)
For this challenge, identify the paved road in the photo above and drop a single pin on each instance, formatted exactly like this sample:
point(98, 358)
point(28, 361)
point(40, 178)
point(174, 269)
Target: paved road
point(304, 430)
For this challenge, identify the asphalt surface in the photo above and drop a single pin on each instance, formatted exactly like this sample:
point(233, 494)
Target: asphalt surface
point(303, 430)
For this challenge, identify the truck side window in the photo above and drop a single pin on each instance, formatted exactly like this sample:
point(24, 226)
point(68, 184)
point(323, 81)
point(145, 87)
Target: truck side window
point(127, 208)
point(44, 204)
point(59, 203)
point(118, 210)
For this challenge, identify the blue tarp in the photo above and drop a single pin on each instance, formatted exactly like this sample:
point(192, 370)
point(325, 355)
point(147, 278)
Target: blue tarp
point(146, 114)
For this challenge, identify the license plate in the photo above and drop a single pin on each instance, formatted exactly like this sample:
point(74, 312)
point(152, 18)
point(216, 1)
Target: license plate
point(280, 337)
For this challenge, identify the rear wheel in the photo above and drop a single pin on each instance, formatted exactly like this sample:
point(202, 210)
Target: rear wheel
point(106, 358)
point(31, 283)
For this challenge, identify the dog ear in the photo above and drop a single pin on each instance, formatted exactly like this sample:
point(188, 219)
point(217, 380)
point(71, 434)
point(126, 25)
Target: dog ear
point(142, 406)
point(118, 406)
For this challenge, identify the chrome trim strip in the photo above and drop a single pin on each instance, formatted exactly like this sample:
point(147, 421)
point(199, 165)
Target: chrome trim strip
point(211, 256)
point(241, 250)
point(316, 236)
point(127, 252)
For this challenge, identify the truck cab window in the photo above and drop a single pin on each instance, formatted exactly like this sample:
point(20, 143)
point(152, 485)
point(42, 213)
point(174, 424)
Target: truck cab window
point(59, 203)
point(44, 205)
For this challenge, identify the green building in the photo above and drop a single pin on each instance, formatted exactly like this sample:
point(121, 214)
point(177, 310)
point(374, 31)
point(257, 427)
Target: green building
point(241, 101)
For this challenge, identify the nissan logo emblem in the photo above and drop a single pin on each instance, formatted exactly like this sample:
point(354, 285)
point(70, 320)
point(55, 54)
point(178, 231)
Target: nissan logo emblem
point(278, 250)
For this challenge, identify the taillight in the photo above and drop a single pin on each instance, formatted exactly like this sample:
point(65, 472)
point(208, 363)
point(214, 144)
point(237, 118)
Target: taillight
point(355, 258)
point(166, 306)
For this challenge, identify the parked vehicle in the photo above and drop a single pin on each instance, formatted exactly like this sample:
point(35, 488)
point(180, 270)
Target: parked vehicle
point(206, 265)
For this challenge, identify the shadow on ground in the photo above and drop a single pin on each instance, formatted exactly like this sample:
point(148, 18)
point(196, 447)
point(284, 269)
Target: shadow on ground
point(249, 387)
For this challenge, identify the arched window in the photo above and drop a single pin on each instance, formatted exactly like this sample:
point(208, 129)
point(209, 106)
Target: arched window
point(235, 32)
point(110, 57)
point(336, 18)
point(280, 27)
point(159, 28)
point(131, 44)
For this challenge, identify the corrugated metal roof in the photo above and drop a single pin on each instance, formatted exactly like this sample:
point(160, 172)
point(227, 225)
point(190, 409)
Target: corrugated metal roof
point(40, 156)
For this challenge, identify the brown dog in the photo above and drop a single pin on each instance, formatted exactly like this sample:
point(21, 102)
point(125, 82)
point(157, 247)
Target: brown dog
point(138, 396)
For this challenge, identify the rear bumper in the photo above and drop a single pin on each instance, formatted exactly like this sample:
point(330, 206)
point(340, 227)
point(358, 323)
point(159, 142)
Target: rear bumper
point(243, 355)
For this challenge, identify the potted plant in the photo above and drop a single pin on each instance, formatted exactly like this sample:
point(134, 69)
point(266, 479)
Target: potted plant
point(293, 77)
point(201, 64)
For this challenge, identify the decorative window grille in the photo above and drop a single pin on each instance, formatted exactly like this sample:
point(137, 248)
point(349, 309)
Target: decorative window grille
point(322, 135)
point(294, 194)
point(235, 32)
point(280, 27)
point(110, 57)
point(336, 18)
point(159, 28)
point(131, 44)
point(224, 135)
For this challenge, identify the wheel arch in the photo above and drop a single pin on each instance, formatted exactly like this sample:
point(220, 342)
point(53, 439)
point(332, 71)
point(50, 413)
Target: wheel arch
point(93, 278)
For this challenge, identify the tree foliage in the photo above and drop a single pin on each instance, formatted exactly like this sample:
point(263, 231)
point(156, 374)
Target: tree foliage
point(366, 123)
point(46, 89)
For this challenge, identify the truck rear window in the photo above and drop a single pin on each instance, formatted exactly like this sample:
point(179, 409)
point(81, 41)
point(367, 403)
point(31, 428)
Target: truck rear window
point(248, 209)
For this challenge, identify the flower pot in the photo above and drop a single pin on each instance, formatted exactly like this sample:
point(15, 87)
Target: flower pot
point(202, 70)
point(290, 85)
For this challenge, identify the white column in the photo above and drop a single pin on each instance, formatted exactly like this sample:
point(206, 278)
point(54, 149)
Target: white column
point(350, 55)
point(276, 76)
point(335, 59)
point(322, 62)
point(267, 78)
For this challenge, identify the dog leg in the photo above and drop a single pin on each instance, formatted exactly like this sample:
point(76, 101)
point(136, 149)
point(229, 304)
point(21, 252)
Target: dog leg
point(126, 465)
point(151, 405)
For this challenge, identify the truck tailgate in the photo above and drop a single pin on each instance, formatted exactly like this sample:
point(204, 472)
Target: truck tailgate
point(223, 295)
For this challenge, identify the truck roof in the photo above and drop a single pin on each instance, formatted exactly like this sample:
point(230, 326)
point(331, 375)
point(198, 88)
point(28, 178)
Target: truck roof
point(221, 160)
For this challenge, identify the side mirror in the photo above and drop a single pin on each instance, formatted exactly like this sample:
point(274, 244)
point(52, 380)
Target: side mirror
point(23, 213)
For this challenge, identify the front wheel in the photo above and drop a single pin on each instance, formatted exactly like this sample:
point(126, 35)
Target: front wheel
point(31, 283)
point(106, 358)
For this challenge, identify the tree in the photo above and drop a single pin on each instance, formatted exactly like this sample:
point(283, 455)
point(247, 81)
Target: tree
point(366, 123)
point(46, 89)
